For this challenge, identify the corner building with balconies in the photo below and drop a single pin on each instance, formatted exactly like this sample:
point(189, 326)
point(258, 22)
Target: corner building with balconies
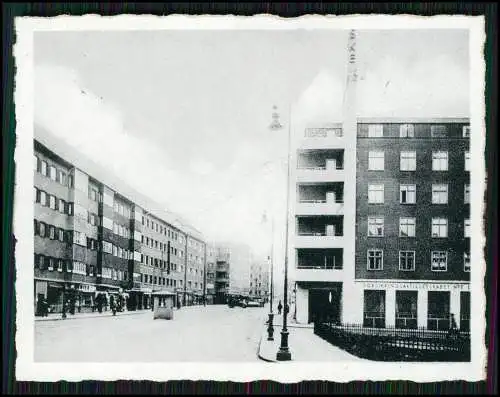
point(412, 223)
point(323, 237)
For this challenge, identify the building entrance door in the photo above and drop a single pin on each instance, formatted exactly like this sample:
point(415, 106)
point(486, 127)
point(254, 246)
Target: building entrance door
point(325, 304)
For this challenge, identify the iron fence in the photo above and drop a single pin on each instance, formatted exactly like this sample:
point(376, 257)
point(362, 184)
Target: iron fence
point(396, 344)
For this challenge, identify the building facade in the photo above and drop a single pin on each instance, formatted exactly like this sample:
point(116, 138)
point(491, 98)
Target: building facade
point(211, 273)
point(93, 234)
point(259, 281)
point(413, 222)
point(322, 239)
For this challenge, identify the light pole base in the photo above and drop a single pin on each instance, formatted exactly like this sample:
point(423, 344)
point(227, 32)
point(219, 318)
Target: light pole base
point(270, 327)
point(284, 353)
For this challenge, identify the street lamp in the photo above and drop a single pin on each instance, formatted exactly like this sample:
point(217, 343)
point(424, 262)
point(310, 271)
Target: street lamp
point(284, 353)
point(270, 327)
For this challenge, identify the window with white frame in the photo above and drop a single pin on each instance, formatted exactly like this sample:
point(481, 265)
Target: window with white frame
point(407, 261)
point(376, 161)
point(467, 228)
point(439, 161)
point(466, 261)
point(466, 131)
point(79, 268)
point(439, 194)
point(406, 131)
point(439, 227)
point(375, 226)
point(467, 161)
point(107, 223)
point(107, 247)
point(115, 250)
point(53, 173)
point(43, 168)
point(375, 194)
point(107, 272)
point(407, 227)
point(408, 161)
point(439, 261)
point(375, 259)
point(407, 194)
point(52, 202)
point(467, 194)
point(375, 131)
point(438, 131)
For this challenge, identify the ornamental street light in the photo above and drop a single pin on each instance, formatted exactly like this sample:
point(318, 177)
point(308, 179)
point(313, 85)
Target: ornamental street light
point(284, 353)
point(270, 326)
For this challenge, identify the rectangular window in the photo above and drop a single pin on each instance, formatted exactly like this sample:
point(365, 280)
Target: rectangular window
point(43, 198)
point(52, 202)
point(61, 205)
point(407, 227)
point(52, 232)
point(60, 233)
point(375, 259)
point(376, 161)
point(35, 165)
point(375, 131)
point(375, 226)
point(107, 247)
point(439, 161)
point(62, 178)
point(467, 161)
point(466, 261)
point(53, 173)
point(408, 161)
point(407, 261)
point(374, 309)
point(467, 228)
point(375, 194)
point(439, 194)
point(406, 309)
point(44, 168)
point(406, 131)
point(439, 227)
point(69, 208)
point(466, 131)
point(439, 260)
point(407, 194)
point(438, 131)
point(466, 194)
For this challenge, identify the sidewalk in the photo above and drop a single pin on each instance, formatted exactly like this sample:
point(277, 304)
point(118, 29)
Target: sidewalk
point(303, 343)
point(76, 316)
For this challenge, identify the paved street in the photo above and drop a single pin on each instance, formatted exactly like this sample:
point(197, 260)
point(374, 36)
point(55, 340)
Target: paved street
point(211, 333)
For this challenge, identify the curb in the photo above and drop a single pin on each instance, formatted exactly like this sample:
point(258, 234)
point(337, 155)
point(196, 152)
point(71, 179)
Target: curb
point(267, 360)
point(72, 317)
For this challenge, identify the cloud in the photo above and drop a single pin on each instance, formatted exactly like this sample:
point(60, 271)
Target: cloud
point(225, 204)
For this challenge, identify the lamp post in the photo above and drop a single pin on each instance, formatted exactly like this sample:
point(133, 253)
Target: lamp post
point(270, 326)
point(284, 353)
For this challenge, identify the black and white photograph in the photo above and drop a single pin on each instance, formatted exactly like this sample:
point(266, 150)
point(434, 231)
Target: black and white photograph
point(243, 198)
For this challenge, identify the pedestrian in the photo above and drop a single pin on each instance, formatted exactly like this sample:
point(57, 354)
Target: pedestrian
point(79, 304)
point(453, 331)
point(280, 306)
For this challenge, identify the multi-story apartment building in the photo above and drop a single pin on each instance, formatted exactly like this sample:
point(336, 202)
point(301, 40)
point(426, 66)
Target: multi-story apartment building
point(259, 283)
point(194, 287)
point(211, 273)
point(322, 255)
point(222, 274)
point(413, 222)
point(92, 234)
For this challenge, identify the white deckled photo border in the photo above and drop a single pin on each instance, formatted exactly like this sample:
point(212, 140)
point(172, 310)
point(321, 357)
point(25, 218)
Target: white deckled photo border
point(29, 370)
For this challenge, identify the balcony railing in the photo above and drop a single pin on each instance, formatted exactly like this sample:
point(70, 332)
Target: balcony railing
point(334, 266)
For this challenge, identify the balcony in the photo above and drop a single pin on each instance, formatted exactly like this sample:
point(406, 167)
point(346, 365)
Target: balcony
point(315, 264)
point(320, 165)
point(327, 136)
point(319, 232)
point(320, 198)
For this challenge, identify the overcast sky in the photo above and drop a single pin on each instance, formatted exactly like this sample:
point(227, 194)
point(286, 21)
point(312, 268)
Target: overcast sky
point(182, 116)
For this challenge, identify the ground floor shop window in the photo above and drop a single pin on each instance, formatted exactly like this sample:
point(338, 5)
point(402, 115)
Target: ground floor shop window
point(438, 312)
point(465, 311)
point(406, 309)
point(374, 309)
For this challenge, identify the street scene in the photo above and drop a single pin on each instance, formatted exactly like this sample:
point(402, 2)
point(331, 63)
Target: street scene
point(253, 196)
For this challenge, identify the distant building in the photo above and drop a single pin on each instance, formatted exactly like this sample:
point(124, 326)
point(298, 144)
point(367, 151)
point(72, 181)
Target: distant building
point(259, 280)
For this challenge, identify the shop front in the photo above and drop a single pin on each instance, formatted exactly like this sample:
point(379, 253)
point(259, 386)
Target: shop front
point(411, 305)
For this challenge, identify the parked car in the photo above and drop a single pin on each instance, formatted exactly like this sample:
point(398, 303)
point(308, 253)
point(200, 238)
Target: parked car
point(253, 303)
